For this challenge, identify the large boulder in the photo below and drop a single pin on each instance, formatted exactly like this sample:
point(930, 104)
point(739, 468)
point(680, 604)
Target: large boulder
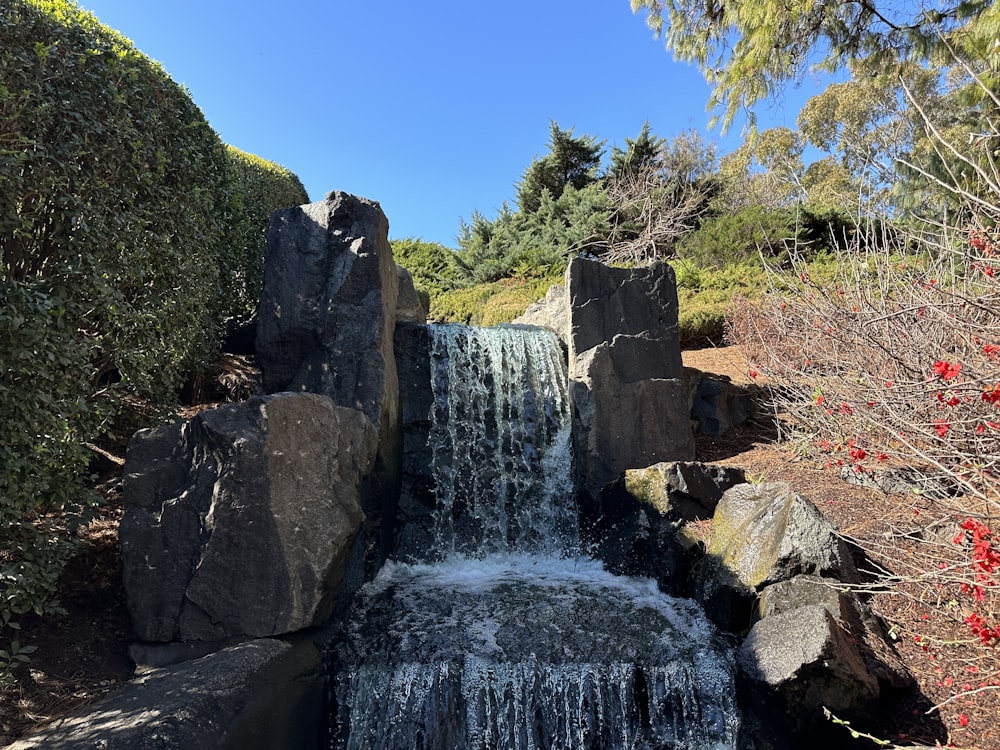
point(326, 322)
point(257, 695)
point(631, 406)
point(240, 521)
point(763, 534)
point(644, 525)
point(792, 667)
point(328, 308)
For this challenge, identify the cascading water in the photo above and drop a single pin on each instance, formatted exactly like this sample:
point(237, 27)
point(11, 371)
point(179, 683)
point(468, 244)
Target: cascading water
point(505, 637)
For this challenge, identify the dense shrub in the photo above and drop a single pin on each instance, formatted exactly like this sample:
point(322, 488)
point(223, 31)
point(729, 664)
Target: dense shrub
point(432, 265)
point(263, 187)
point(759, 231)
point(489, 304)
point(123, 224)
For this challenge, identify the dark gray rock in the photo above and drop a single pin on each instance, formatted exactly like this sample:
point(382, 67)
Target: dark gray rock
point(867, 634)
point(606, 302)
point(328, 309)
point(326, 323)
point(409, 308)
point(767, 533)
point(687, 490)
point(763, 534)
point(642, 525)
point(795, 664)
point(417, 498)
point(718, 405)
point(240, 521)
point(631, 407)
point(257, 695)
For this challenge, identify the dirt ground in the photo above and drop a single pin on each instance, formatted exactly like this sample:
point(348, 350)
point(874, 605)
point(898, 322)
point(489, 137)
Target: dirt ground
point(83, 654)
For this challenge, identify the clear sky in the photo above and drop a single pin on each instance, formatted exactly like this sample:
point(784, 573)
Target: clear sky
point(434, 109)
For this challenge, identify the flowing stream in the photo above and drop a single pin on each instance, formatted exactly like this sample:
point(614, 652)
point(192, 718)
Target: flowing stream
point(505, 636)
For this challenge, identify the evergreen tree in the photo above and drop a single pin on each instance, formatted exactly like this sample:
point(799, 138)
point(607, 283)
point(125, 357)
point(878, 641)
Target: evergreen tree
point(646, 150)
point(570, 161)
point(748, 49)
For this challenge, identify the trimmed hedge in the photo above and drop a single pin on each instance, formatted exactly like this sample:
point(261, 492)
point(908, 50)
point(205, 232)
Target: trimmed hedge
point(264, 187)
point(128, 235)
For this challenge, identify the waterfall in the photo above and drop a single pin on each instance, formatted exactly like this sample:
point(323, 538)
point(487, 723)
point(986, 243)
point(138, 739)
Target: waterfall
point(506, 637)
point(501, 441)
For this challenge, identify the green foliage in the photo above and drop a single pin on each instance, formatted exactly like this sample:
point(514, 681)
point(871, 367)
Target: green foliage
point(748, 50)
point(433, 266)
point(537, 243)
point(263, 187)
point(642, 153)
point(571, 162)
point(490, 303)
point(740, 237)
point(755, 232)
point(128, 234)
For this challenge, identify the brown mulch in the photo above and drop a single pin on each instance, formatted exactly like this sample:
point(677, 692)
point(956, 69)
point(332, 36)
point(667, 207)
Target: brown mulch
point(956, 700)
point(83, 654)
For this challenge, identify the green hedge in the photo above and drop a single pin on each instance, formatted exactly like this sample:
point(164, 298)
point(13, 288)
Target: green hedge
point(264, 187)
point(128, 235)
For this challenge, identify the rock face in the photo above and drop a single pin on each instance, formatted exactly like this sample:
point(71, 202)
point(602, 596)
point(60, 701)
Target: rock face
point(776, 567)
point(630, 403)
point(326, 322)
point(552, 312)
point(257, 695)
point(328, 309)
point(641, 526)
point(240, 521)
point(795, 664)
point(716, 404)
point(409, 308)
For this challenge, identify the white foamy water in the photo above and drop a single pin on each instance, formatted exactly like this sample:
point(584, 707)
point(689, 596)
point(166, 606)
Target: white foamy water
point(513, 640)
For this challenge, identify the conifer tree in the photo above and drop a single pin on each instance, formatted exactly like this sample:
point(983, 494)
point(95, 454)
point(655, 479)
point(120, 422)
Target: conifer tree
point(748, 49)
point(645, 150)
point(570, 161)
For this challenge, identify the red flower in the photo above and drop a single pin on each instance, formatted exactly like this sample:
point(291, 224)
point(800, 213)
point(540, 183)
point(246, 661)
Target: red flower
point(947, 370)
point(963, 720)
point(941, 427)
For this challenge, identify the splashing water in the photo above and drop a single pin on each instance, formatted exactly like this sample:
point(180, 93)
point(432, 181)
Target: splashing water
point(509, 639)
point(501, 441)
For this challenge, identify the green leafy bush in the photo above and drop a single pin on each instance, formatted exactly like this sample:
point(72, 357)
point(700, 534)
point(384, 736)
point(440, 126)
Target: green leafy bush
point(263, 187)
point(432, 265)
point(489, 304)
point(128, 235)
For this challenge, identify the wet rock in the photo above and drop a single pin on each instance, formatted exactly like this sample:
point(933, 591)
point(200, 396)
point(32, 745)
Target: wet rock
point(642, 524)
point(240, 522)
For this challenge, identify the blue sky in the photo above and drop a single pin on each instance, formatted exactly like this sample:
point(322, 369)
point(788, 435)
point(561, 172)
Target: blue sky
point(433, 109)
